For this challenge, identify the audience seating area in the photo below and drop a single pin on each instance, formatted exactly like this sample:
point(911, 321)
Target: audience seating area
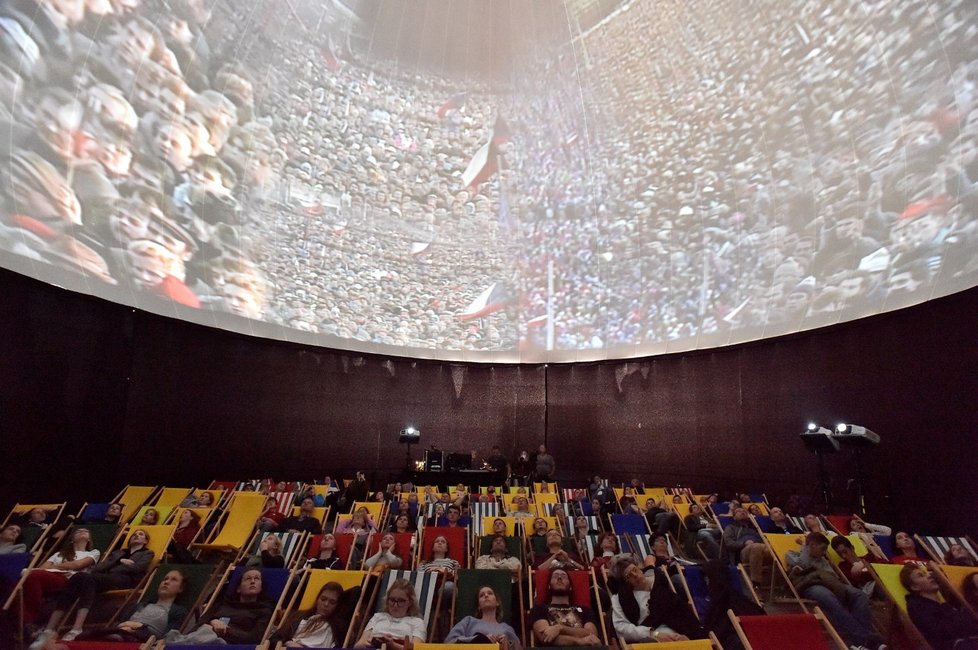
point(290, 531)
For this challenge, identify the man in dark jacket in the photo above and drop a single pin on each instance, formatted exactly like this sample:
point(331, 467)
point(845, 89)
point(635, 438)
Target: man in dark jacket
point(942, 624)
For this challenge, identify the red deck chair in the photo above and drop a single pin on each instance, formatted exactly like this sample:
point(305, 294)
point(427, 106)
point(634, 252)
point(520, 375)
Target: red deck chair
point(402, 548)
point(795, 631)
point(344, 543)
point(580, 584)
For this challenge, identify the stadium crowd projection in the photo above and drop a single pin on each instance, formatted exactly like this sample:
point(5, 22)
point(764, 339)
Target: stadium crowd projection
point(678, 176)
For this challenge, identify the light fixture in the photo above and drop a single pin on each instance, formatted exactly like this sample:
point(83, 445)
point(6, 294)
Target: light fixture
point(841, 427)
point(812, 426)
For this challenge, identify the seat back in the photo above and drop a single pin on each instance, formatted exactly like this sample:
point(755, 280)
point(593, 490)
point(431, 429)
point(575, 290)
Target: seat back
point(291, 543)
point(467, 587)
point(243, 513)
point(132, 498)
point(551, 488)
point(319, 513)
point(163, 511)
point(889, 578)
point(375, 508)
point(457, 542)
point(937, 547)
point(839, 523)
point(781, 544)
point(479, 510)
point(283, 502)
point(197, 579)
point(580, 585)
point(344, 544)
point(318, 577)
point(513, 546)
point(159, 539)
point(402, 547)
point(795, 631)
point(171, 497)
point(425, 587)
point(629, 524)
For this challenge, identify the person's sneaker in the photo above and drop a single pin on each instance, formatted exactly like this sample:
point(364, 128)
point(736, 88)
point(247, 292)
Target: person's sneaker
point(42, 639)
point(71, 635)
point(858, 647)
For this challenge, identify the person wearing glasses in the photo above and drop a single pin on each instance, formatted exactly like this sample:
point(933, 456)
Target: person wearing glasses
point(400, 625)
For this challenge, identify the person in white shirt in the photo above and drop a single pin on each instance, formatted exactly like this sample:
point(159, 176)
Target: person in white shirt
point(400, 625)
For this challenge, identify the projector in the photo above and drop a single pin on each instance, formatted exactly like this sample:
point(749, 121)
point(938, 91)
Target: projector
point(855, 435)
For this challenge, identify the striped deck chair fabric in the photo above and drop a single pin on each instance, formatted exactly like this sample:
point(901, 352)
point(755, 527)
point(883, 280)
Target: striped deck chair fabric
point(642, 545)
point(570, 521)
point(591, 550)
point(283, 502)
point(939, 546)
point(425, 587)
point(292, 544)
point(477, 510)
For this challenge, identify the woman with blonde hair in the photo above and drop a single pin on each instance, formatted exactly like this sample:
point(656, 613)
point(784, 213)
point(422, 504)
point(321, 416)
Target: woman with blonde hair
point(487, 626)
point(400, 625)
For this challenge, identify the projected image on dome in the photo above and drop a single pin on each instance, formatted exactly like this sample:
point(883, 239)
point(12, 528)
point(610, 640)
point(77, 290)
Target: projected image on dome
point(573, 179)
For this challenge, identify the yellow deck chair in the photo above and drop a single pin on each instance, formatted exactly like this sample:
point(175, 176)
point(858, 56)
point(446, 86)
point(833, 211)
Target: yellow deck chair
point(171, 497)
point(761, 506)
point(375, 508)
point(701, 644)
point(780, 545)
point(857, 544)
point(552, 522)
point(955, 577)
point(132, 498)
point(888, 577)
point(484, 489)
point(319, 513)
point(217, 493)
point(311, 581)
point(165, 513)
point(541, 499)
point(242, 514)
point(55, 512)
point(511, 525)
point(681, 509)
point(509, 502)
point(538, 488)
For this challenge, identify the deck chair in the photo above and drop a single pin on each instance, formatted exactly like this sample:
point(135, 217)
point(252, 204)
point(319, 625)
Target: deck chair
point(551, 488)
point(402, 548)
point(937, 547)
point(458, 540)
point(513, 528)
point(344, 544)
point(496, 489)
point(698, 591)
point(509, 502)
point(467, 590)
point(779, 546)
point(888, 577)
point(283, 502)
point(103, 535)
point(375, 508)
point(629, 524)
point(538, 582)
point(164, 512)
point(132, 498)
point(292, 545)
point(955, 577)
point(425, 587)
point(200, 579)
point(275, 585)
point(171, 497)
point(795, 631)
point(570, 523)
point(839, 523)
point(590, 550)
point(321, 514)
point(242, 515)
point(34, 537)
point(514, 546)
point(12, 566)
point(311, 581)
point(479, 510)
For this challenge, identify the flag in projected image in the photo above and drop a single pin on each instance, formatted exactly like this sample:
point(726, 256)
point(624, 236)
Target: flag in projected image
point(494, 298)
point(453, 103)
point(485, 162)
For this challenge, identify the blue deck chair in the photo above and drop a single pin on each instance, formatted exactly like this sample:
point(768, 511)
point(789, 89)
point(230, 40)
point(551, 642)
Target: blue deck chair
point(629, 524)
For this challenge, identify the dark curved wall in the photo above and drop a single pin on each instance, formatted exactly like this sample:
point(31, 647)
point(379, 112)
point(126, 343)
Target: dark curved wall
point(95, 395)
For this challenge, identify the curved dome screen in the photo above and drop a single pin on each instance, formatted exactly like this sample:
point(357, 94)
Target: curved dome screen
point(493, 181)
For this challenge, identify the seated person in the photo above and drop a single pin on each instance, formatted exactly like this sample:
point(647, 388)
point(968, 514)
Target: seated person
point(152, 619)
point(76, 554)
point(645, 608)
point(269, 554)
point(703, 534)
point(845, 606)
point(305, 521)
point(241, 617)
point(779, 523)
point(271, 519)
point(582, 529)
point(744, 544)
point(188, 525)
point(9, 537)
point(866, 533)
point(120, 569)
point(324, 625)
point(384, 558)
point(942, 624)
point(327, 558)
point(607, 548)
point(906, 550)
point(400, 625)
point(813, 524)
point(539, 528)
point(453, 517)
point(150, 518)
point(957, 555)
point(971, 590)
point(661, 521)
point(556, 556)
point(520, 509)
point(499, 558)
point(853, 567)
point(488, 626)
point(309, 492)
point(113, 513)
point(558, 622)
